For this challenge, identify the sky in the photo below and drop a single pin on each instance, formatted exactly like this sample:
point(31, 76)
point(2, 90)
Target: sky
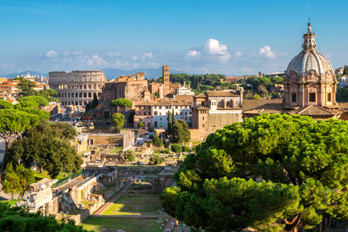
point(231, 37)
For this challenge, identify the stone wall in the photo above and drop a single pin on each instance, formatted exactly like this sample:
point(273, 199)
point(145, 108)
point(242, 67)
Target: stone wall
point(77, 87)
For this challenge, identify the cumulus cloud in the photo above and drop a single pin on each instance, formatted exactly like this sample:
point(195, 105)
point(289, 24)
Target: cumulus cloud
point(238, 54)
point(192, 53)
point(147, 55)
point(267, 52)
point(212, 48)
point(51, 54)
point(97, 60)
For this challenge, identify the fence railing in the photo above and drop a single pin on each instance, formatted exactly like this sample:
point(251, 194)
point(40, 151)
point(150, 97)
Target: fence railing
point(68, 178)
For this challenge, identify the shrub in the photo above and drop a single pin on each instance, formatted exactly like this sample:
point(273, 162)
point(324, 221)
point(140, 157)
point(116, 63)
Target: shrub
point(130, 155)
point(176, 147)
point(156, 159)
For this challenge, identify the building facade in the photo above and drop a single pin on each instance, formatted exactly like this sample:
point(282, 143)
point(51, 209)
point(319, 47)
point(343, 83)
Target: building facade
point(213, 110)
point(310, 87)
point(77, 87)
point(155, 114)
point(309, 78)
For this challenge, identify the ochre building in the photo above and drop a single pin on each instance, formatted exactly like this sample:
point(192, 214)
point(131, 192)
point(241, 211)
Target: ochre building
point(77, 87)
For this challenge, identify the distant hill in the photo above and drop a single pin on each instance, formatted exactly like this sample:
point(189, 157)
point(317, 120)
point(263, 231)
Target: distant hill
point(110, 73)
point(11, 75)
point(149, 73)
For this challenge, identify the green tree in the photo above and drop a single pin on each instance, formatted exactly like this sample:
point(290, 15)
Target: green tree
point(32, 101)
point(156, 139)
point(12, 181)
point(118, 120)
point(121, 103)
point(170, 125)
point(5, 104)
point(26, 87)
point(141, 123)
point(19, 219)
point(95, 101)
point(130, 155)
point(26, 176)
point(181, 132)
point(12, 124)
point(156, 159)
point(49, 146)
point(270, 173)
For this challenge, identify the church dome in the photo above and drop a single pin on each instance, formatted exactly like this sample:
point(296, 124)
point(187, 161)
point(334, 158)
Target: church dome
point(309, 58)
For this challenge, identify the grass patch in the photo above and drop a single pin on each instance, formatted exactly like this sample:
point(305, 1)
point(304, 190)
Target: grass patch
point(116, 150)
point(145, 204)
point(127, 224)
point(11, 202)
point(39, 176)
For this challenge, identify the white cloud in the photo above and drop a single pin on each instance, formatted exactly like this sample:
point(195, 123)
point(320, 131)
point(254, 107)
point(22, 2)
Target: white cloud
point(193, 53)
point(51, 54)
point(147, 55)
point(267, 52)
point(210, 50)
point(97, 60)
point(111, 54)
point(238, 54)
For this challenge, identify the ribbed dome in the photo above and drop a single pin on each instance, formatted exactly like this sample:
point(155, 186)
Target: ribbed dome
point(307, 60)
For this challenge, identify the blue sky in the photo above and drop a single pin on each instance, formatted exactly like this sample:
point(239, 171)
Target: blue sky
point(230, 37)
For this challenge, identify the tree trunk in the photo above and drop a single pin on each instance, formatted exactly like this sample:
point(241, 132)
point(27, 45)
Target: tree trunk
point(293, 225)
point(41, 169)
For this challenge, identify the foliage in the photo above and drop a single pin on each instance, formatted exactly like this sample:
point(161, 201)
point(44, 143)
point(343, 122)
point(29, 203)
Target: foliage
point(345, 70)
point(118, 120)
point(181, 132)
point(176, 147)
point(156, 139)
point(130, 155)
point(165, 151)
point(156, 159)
point(141, 123)
point(121, 102)
point(269, 173)
point(249, 95)
point(170, 123)
point(26, 86)
point(17, 181)
point(157, 95)
point(130, 117)
point(12, 182)
point(185, 149)
point(342, 94)
point(95, 101)
point(201, 83)
point(19, 219)
point(49, 146)
point(43, 115)
point(5, 104)
point(261, 86)
point(31, 102)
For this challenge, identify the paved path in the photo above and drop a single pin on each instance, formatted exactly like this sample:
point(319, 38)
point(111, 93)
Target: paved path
point(170, 225)
point(115, 198)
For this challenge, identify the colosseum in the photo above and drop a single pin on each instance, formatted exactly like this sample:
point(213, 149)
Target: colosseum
point(77, 87)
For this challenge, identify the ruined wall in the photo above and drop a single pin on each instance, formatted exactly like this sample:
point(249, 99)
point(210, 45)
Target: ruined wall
point(219, 121)
point(213, 123)
point(105, 140)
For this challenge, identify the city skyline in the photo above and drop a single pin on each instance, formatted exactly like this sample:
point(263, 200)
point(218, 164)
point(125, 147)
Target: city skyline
point(226, 37)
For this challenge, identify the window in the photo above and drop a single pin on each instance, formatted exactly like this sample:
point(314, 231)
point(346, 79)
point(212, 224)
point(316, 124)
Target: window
point(329, 97)
point(155, 113)
point(293, 97)
point(311, 97)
